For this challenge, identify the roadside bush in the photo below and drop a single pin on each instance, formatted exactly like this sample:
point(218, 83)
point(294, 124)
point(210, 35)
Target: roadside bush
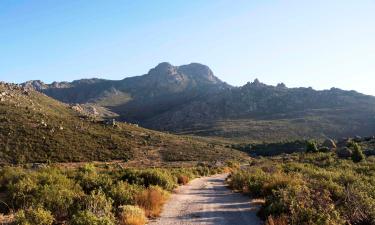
point(182, 179)
point(302, 205)
point(124, 194)
point(132, 215)
point(152, 200)
point(36, 216)
point(150, 177)
point(87, 217)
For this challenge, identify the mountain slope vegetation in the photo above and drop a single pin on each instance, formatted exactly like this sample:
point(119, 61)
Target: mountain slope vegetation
point(37, 128)
point(189, 99)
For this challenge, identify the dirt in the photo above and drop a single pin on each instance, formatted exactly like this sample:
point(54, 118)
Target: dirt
point(208, 201)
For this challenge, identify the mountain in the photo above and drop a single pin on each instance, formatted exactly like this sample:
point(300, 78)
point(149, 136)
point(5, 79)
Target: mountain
point(37, 128)
point(141, 97)
point(190, 99)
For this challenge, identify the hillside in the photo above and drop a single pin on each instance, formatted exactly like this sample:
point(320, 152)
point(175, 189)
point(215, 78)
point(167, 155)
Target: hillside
point(189, 99)
point(37, 128)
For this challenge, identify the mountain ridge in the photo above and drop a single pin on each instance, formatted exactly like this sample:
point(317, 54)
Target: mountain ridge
point(191, 99)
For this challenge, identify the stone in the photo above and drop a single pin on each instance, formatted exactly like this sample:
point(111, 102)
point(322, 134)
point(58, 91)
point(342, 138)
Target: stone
point(329, 143)
point(344, 152)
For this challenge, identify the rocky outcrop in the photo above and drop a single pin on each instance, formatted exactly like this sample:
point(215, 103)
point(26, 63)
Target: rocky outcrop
point(329, 143)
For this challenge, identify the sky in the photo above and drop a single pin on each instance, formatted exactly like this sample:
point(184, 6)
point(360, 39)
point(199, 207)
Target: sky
point(319, 44)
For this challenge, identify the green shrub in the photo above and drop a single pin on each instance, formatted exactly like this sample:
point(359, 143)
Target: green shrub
point(89, 179)
point(357, 155)
point(36, 216)
point(88, 218)
point(150, 177)
point(48, 188)
point(98, 203)
point(123, 193)
point(311, 146)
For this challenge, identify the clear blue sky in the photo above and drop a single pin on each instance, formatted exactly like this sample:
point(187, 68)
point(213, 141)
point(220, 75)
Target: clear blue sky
point(319, 43)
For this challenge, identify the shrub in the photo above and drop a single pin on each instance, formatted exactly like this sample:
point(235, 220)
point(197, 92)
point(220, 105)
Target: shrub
point(48, 188)
point(87, 217)
point(89, 179)
point(311, 146)
point(357, 155)
point(182, 179)
point(281, 220)
point(132, 215)
point(150, 177)
point(98, 204)
point(123, 193)
point(36, 216)
point(152, 200)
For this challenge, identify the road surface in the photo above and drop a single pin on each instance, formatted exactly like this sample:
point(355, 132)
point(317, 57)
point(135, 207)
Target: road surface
point(207, 200)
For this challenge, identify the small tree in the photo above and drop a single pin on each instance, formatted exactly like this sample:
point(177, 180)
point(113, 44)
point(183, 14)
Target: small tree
point(357, 155)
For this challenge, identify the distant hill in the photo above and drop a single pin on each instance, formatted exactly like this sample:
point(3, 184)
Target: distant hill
point(189, 99)
point(37, 128)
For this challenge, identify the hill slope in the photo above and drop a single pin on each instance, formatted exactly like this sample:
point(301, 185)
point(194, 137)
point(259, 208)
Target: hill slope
point(189, 99)
point(37, 128)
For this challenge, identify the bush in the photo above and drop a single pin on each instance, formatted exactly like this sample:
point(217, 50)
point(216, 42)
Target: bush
point(98, 204)
point(357, 155)
point(87, 217)
point(152, 200)
point(182, 179)
point(124, 194)
point(47, 188)
point(311, 146)
point(36, 216)
point(151, 177)
point(132, 215)
point(89, 179)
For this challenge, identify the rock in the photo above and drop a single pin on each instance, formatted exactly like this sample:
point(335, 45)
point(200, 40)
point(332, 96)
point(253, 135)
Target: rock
point(110, 122)
point(344, 152)
point(329, 143)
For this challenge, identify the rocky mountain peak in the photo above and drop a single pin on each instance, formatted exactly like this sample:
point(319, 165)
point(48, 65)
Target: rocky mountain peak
point(163, 68)
point(35, 84)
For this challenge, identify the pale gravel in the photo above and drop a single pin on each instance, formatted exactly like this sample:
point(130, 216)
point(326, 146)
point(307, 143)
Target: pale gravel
point(207, 200)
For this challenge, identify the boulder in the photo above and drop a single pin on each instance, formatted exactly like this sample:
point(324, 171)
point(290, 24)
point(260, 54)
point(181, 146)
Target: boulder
point(329, 143)
point(344, 152)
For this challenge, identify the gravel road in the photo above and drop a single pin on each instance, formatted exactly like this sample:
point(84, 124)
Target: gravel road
point(208, 201)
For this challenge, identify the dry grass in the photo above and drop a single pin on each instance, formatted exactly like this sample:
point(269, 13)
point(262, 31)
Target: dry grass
point(152, 200)
point(132, 215)
point(282, 220)
point(6, 219)
point(182, 179)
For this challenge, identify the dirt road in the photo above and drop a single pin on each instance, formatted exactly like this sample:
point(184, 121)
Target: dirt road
point(208, 201)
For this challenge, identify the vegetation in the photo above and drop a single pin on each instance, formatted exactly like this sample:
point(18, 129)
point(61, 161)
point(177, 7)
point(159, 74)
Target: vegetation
point(38, 129)
point(90, 194)
point(311, 188)
point(132, 215)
